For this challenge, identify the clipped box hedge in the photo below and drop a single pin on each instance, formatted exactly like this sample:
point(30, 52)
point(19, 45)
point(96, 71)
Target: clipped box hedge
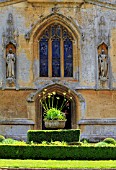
point(57, 152)
point(72, 135)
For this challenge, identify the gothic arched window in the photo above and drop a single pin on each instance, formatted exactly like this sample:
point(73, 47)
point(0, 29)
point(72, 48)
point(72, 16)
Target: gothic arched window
point(56, 52)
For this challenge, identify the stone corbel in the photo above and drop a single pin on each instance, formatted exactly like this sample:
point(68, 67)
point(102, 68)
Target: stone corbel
point(30, 98)
point(27, 36)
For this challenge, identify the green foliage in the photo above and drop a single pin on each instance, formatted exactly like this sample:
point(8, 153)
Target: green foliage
point(12, 141)
point(58, 143)
point(110, 141)
point(9, 141)
point(85, 140)
point(38, 136)
point(54, 114)
point(1, 138)
point(54, 143)
point(75, 143)
point(100, 144)
point(45, 143)
point(57, 152)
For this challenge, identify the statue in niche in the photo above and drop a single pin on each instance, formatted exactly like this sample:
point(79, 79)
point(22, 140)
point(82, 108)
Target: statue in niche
point(103, 65)
point(10, 60)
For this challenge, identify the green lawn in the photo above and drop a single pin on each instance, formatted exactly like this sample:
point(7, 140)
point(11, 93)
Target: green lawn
point(55, 164)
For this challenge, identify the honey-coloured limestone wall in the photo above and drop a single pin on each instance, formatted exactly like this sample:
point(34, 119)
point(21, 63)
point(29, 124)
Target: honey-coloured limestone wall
point(91, 24)
point(98, 115)
point(82, 18)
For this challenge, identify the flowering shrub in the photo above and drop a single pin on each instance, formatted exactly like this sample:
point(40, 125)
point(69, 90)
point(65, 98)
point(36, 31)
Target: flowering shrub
point(50, 103)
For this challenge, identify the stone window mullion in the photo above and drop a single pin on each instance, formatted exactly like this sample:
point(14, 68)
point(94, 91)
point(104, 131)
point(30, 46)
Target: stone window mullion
point(62, 58)
point(50, 58)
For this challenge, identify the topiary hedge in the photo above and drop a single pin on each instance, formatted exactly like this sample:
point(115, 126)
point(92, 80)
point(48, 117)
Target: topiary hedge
point(38, 136)
point(57, 152)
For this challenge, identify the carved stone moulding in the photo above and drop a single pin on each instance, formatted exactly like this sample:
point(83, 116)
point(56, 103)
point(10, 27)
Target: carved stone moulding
point(16, 128)
point(97, 129)
point(55, 1)
point(97, 121)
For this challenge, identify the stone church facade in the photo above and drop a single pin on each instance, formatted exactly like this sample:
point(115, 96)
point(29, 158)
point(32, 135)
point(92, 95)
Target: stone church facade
point(66, 46)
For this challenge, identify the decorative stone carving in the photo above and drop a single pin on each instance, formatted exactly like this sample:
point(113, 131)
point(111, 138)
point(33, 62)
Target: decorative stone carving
point(103, 65)
point(30, 98)
point(102, 29)
point(103, 44)
point(55, 9)
point(10, 36)
point(103, 32)
point(10, 60)
point(10, 43)
point(27, 36)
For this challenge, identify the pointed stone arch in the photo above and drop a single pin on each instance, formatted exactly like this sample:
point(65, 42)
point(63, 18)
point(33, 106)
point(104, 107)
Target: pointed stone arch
point(34, 34)
point(103, 46)
point(69, 23)
point(34, 107)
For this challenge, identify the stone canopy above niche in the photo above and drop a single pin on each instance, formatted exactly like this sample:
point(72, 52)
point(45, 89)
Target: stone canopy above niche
point(56, 1)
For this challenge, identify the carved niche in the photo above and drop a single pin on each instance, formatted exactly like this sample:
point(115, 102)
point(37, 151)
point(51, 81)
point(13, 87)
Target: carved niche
point(10, 42)
point(103, 62)
point(103, 44)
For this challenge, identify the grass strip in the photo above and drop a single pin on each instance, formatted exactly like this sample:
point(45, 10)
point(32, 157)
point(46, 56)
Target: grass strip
point(9, 163)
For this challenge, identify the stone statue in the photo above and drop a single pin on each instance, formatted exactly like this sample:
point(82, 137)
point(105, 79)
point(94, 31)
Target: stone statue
point(103, 65)
point(10, 60)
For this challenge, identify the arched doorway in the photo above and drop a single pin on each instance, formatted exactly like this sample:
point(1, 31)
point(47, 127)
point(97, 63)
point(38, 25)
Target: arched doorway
point(71, 109)
point(76, 108)
point(60, 102)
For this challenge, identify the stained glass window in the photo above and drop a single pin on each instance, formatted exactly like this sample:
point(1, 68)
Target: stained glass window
point(55, 58)
point(43, 58)
point(58, 58)
point(68, 58)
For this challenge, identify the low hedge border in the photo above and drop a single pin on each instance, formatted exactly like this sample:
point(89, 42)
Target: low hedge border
point(57, 152)
point(39, 136)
